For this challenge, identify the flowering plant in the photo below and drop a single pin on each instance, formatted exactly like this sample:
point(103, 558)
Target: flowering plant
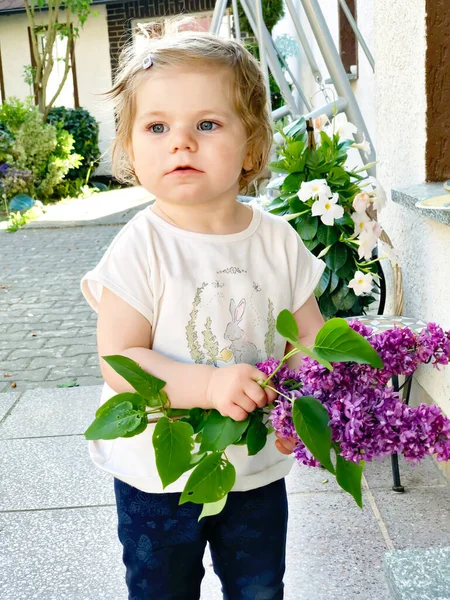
point(335, 402)
point(332, 206)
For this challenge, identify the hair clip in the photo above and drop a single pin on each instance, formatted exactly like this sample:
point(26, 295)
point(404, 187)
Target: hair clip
point(147, 62)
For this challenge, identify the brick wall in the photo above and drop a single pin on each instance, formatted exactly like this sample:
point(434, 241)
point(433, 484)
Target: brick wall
point(120, 15)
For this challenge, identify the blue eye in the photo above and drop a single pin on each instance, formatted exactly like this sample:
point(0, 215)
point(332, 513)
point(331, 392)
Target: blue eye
point(209, 125)
point(156, 128)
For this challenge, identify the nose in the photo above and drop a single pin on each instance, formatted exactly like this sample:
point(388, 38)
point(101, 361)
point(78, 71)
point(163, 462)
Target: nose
point(183, 138)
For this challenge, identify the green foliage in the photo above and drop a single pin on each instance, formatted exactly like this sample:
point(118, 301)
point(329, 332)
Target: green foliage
point(84, 129)
point(27, 144)
point(336, 244)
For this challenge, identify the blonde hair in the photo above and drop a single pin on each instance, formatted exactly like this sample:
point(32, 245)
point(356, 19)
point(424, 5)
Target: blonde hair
point(191, 48)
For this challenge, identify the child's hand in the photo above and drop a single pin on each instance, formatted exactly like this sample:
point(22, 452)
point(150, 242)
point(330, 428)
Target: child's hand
point(234, 391)
point(285, 445)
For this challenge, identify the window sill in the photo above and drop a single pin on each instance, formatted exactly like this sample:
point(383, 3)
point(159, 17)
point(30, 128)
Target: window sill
point(409, 196)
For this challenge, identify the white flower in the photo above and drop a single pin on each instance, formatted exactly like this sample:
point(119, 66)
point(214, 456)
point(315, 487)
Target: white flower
point(360, 219)
point(361, 202)
point(389, 252)
point(368, 239)
point(379, 195)
point(327, 208)
point(364, 146)
point(342, 127)
point(312, 189)
point(361, 283)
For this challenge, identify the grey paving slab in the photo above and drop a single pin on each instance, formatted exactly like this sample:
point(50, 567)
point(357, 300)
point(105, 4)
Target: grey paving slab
point(51, 472)
point(69, 554)
point(419, 574)
point(426, 473)
point(6, 401)
point(419, 518)
point(305, 480)
point(334, 551)
point(52, 412)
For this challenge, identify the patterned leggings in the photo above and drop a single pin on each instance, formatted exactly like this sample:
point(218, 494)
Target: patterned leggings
point(163, 544)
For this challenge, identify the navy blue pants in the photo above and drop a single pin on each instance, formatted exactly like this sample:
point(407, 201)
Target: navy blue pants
point(163, 544)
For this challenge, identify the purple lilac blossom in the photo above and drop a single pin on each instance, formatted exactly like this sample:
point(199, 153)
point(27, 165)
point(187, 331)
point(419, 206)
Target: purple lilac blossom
point(367, 417)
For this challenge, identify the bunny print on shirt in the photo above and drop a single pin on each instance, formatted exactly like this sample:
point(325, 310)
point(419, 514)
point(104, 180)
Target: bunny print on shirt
point(245, 330)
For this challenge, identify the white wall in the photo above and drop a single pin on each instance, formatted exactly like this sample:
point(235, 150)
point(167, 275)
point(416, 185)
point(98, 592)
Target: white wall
point(92, 63)
point(423, 244)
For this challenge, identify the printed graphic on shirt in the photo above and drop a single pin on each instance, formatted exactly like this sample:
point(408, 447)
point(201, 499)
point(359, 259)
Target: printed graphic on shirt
point(246, 336)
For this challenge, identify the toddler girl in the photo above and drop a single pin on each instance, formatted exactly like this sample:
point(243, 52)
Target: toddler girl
point(190, 289)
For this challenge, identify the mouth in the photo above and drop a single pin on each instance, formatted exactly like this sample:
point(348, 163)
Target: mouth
point(184, 169)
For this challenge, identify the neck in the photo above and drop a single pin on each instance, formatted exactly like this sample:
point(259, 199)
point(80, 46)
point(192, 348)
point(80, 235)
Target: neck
point(219, 218)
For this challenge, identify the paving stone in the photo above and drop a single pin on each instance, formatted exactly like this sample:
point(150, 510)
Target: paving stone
point(13, 366)
point(379, 473)
point(51, 361)
point(84, 341)
point(334, 550)
point(50, 472)
point(84, 348)
point(73, 372)
point(419, 574)
point(64, 411)
point(39, 352)
point(6, 401)
point(419, 518)
point(34, 375)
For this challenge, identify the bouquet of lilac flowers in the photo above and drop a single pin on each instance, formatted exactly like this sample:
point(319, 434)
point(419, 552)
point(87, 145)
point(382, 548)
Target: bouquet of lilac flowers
point(338, 406)
point(367, 417)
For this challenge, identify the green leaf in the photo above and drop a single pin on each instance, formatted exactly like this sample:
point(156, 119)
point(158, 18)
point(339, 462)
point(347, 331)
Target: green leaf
point(256, 437)
point(213, 508)
point(136, 401)
point(336, 257)
point(307, 226)
point(219, 432)
point(311, 423)
point(334, 281)
point(327, 235)
point(323, 283)
point(292, 183)
point(338, 176)
point(338, 342)
point(173, 443)
point(148, 386)
point(349, 476)
point(210, 481)
point(344, 298)
point(287, 326)
point(116, 422)
point(197, 418)
point(196, 458)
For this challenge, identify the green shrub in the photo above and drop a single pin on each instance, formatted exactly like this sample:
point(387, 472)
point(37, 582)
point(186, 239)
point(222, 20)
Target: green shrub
point(42, 149)
point(84, 129)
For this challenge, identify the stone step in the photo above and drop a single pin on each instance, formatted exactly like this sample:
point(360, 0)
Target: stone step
point(422, 574)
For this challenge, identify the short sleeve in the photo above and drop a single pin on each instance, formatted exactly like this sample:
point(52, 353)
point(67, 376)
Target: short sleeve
point(125, 270)
point(306, 270)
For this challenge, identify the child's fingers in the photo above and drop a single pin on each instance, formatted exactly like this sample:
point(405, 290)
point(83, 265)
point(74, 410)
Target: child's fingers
point(281, 448)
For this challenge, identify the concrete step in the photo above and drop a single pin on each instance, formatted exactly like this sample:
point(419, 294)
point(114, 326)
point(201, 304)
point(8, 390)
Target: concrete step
point(418, 574)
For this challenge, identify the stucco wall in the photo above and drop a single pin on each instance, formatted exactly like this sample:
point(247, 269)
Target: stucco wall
point(92, 63)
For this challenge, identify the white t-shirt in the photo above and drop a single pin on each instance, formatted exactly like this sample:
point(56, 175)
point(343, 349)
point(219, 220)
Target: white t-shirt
point(210, 299)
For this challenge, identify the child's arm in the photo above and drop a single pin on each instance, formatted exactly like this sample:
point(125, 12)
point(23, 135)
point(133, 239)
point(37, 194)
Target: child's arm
point(233, 390)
